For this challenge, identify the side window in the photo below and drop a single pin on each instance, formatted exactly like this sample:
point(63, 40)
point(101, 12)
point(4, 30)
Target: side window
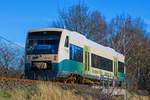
point(67, 41)
point(102, 63)
point(76, 53)
point(120, 67)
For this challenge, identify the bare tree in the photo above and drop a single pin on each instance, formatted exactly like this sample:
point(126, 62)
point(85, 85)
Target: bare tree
point(10, 60)
point(7, 56)
point(75, 18)
point(127, 37)
point(21, 63)
point(98, 28)
point(78, 18)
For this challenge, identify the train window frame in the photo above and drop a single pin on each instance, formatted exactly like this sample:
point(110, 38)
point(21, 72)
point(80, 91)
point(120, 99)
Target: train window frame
point(76, 53)
point(101, 62)
point(66, 42)
point(41, 38)
point(120, 67)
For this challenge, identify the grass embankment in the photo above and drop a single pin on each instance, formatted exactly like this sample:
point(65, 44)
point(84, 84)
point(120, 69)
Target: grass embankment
point(28, 91)
point(44, 92)
point(138, 95)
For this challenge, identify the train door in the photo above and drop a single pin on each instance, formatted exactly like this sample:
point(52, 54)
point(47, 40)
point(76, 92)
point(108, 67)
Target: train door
point(115, 67)
point(87, 63)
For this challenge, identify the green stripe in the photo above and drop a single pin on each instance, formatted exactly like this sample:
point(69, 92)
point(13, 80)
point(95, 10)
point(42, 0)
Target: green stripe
point(115, 68)
point(121, 76)
point(69, 65)
point(87, 49)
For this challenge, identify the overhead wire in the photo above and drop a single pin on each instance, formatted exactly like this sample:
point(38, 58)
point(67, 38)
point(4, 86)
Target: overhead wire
point(11, 42)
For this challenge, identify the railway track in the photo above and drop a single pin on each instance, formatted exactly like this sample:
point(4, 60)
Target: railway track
point(86, 82)
point(37, 81)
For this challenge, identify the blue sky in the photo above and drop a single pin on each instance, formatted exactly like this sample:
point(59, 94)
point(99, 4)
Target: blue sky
point(17, 17)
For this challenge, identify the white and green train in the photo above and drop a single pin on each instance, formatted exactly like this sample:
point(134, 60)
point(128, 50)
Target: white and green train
point(60, 52)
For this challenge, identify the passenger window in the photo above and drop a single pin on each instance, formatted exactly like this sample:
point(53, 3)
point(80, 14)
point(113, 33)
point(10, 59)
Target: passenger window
point(67, 41)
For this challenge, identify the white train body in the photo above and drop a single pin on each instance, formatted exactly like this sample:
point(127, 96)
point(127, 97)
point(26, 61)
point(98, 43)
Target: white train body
point(75, 54)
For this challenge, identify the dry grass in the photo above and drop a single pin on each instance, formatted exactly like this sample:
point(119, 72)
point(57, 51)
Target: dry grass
point(135, 96)
point(132, 96)
point(45, 92)
point(22, 91)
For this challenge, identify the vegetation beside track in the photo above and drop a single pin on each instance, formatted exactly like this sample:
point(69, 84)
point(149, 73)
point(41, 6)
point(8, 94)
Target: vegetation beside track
point(12, 90)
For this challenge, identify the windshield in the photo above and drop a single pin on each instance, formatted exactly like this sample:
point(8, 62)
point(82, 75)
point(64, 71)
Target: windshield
point(43, 42)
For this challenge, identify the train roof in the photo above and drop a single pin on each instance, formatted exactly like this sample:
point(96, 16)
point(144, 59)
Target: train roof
point(96, 45)
point(104, 48)
point(47, 29)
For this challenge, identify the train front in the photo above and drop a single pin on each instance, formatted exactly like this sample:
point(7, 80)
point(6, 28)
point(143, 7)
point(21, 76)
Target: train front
point(41, 53)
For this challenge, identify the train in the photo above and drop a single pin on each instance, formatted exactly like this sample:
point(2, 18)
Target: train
point(55, 53)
